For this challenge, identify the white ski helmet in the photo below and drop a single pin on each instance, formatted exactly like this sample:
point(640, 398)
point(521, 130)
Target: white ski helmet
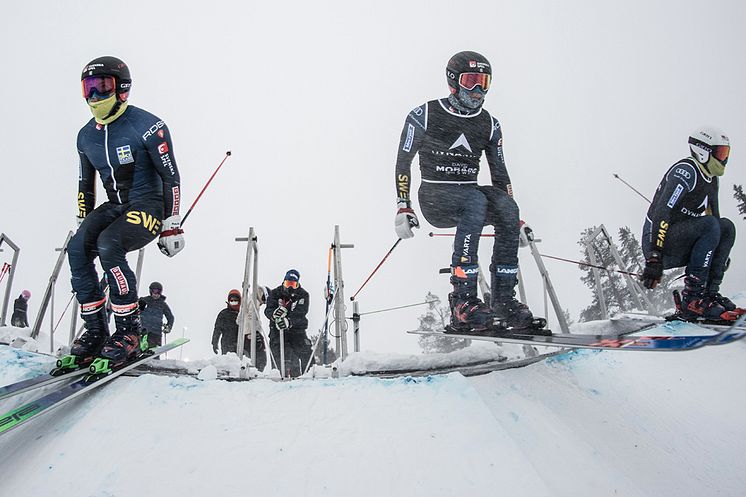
point(708, 143)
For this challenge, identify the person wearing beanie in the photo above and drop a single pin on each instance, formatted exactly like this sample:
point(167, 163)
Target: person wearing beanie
point(20, 310)
point(287, 307)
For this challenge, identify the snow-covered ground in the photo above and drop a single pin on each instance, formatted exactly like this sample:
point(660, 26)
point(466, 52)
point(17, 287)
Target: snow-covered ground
point(582, 423)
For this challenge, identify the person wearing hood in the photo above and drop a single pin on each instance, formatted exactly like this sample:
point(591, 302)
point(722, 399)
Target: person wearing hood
point(287, 307)
point(20, 310)
point(226, 332)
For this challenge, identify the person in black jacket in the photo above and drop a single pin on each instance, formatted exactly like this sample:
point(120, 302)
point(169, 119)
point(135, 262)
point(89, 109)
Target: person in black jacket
point(287, 306)
point(226, 332)
point(20, 308)
point(683, 227)
point(151, 317)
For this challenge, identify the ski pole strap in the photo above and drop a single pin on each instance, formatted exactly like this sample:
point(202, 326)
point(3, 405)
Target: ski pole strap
point(376, 269)
point(172, 232)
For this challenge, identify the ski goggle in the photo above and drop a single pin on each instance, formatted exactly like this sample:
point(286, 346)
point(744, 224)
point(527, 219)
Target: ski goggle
point(290, 284)
point(721, 153)
point(470, 80)
point(99, 86)
point(155, 291)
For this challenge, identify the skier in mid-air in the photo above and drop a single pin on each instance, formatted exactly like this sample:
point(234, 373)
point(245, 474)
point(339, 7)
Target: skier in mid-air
point(683, 228)
point(450, 135)
point(132, 152)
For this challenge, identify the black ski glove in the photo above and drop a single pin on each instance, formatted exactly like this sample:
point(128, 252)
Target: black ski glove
point(653, 271)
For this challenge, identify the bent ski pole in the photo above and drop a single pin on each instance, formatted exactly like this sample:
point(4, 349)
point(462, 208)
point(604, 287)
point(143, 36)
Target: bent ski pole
point(579, 263)
point(227, 154)
point(376, 269)
point(631, 187)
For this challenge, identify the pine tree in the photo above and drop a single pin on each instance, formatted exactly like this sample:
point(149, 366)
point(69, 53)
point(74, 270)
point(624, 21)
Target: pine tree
point(631, 253)
point(741, 198)
point(436, 318)
point(616, 295)
point(331, 354)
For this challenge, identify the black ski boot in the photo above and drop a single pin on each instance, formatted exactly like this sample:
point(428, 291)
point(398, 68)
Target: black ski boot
point(695, 305)
point(468, 312)
point(89, 344)
point(512, 312)
point(125, 344)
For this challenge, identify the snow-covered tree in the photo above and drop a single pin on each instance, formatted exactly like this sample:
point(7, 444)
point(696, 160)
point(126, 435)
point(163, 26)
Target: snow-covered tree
point(435, 318)
point(741, 198)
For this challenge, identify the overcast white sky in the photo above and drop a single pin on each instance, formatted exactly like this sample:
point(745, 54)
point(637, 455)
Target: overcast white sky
point(311, 98)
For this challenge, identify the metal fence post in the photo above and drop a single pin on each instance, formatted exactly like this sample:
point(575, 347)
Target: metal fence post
point(339, 306)
point(8, 286)
point(50, 287)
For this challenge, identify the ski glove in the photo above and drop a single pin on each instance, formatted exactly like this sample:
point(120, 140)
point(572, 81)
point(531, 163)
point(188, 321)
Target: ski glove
point(166, 328)
point(653, 271)
point(405, 220)
point(215, 350)
point(526, 234)
point(282, 323)
point(280, 312)
point(172, 238)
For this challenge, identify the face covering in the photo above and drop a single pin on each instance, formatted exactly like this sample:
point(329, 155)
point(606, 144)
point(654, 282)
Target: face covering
point(102, 109)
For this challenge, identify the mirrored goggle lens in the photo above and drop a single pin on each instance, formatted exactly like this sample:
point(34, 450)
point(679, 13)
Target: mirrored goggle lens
point(721, 152)
point(290, 284)
point(470, 80)
point(102, 85)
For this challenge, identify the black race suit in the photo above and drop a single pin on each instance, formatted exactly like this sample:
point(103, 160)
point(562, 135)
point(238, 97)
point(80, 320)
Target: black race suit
point(133, 155)
point(683, 223)
point(450, 146)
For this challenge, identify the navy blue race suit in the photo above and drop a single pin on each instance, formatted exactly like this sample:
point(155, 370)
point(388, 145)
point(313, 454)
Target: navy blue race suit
point(450, 146)
point(297, 343)
point(683, 224)
point(134, 157)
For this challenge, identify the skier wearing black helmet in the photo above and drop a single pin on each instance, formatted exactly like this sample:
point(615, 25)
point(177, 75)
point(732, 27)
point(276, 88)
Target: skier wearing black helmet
point(132, 152)
point(153, 309)
point(450, 135)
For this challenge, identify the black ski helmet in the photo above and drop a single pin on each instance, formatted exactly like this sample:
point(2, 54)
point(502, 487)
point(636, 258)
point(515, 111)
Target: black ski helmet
point(156, 286)
point(465, 62)
point(110, 66)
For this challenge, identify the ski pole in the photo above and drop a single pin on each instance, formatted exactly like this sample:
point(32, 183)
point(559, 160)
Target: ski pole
point(631, 187)
point(63, 313)
point(376, 269)
point(329, 298)
point(549, 257)
point(227, 154)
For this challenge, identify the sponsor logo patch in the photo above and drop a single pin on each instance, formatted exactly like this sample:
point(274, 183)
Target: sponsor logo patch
point(675, 196)
point(461, 141)
point(177, 200)
point(124, 154)
point(120, 280)
point(163, 148)
point(410, 138)
point(153, 130)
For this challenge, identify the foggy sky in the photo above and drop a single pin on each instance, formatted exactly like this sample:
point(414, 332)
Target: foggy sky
point(311, 97)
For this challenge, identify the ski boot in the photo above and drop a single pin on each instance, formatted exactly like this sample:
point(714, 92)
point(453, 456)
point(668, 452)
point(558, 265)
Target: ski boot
point(125, 345)
point(85, 348)
point(468, 312)
point(511, 312)
point(726, 303)
point(694, 305)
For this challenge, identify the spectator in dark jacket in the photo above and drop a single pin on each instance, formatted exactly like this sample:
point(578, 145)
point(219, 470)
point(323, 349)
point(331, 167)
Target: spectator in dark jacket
point(226, 332)
point(152, 316)
point(20, 310)
point(287, 306)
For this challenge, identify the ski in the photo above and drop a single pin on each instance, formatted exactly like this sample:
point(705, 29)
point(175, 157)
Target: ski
point(603, 342)
point(37, 382)
point(88, 382)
